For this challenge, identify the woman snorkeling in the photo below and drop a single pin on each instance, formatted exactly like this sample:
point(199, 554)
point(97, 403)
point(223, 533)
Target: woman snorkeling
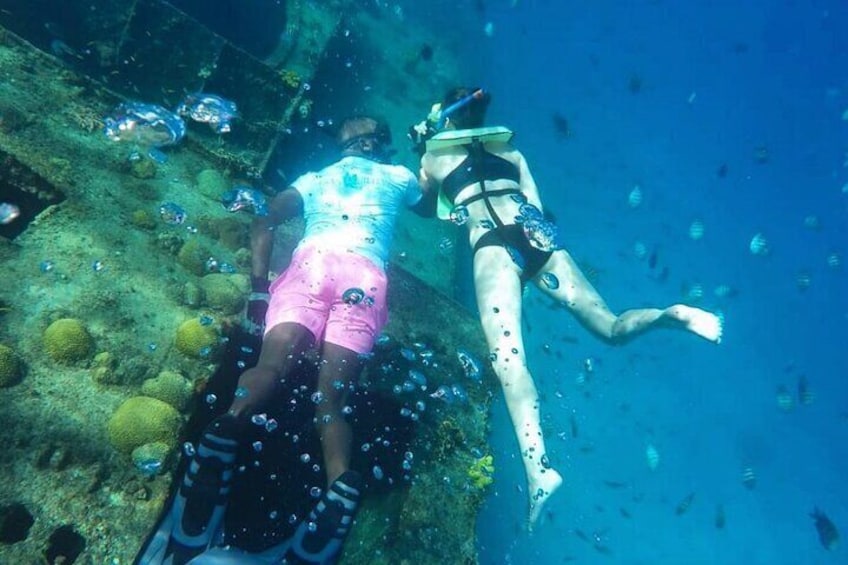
point(485, 184)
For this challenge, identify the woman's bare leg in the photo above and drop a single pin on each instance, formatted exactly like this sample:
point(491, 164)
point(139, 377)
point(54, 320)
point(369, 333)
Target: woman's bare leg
point(581, 298)
point(498, 287)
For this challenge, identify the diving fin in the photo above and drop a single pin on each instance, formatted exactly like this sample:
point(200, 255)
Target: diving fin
point(194, 520)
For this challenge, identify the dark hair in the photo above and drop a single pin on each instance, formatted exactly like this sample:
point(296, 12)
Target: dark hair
point(473, 114)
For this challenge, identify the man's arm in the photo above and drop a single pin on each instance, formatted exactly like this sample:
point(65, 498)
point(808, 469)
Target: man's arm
point(285, 205)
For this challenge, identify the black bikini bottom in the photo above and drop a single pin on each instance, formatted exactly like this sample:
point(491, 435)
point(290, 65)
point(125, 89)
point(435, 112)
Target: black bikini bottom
point(529, 259)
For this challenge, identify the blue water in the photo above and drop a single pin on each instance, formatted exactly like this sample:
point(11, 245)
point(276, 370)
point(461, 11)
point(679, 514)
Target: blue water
point(719, 80)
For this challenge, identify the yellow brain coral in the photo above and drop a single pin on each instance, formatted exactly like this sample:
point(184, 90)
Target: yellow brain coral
point(198, 338)
point(67, 341)
point(140, 420)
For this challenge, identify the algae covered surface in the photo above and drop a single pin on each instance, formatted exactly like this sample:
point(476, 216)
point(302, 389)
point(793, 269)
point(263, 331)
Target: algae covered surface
point(114, 316)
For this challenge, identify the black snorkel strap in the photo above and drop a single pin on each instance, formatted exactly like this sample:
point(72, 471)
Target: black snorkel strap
point(380, 153)
point(476, 152)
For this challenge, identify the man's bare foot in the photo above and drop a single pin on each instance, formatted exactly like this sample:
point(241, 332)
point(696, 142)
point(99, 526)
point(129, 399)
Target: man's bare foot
point(540, 491)
point(700, 322)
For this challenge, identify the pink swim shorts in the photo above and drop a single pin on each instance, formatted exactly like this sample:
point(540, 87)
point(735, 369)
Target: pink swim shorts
point(338, 296)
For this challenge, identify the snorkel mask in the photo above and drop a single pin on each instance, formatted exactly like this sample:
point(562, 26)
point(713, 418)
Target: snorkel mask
point(372, 145)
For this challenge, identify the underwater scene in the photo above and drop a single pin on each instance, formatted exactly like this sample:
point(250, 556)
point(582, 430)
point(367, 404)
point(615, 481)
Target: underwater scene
point(447, 282)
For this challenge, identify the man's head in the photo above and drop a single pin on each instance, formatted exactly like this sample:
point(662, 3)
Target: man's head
point(472, 114)
point(365, 136)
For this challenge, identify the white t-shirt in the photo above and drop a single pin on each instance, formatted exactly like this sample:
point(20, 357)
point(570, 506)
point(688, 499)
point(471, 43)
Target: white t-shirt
point(352, 205)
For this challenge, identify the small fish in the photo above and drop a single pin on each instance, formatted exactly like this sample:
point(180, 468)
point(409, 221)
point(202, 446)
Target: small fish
point(8, 213)
point(720, 518)
point(615, 484)
point(803, 280)
point(812, 222)
point(580, 534)
point(624, 512)
point(652, 260)
point(749, 478)
point(602, 549)
point(575, 430)
point(561, 126)
point(725, 291)
point(805, 395)
point(759, 245)
point(209, 109)
point(784, 399)
point(426, 52)
point(634, 197)
point(683, 506)
point(634, 84)
point(245, 198)
point(696, 230)
point(652, 456)
point(828, 534)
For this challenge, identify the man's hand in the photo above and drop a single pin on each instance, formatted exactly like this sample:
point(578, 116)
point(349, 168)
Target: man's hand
point(257, 306)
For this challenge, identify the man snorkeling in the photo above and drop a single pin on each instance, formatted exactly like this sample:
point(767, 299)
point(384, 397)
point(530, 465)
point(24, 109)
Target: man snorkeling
point(485, 184)
point(331, 297)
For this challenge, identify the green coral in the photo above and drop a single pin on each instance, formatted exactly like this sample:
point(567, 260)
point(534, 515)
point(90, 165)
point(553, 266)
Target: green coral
point(141, 420)
point(143, 219)
point(480, 472)
point(103, 368)
point(211, 184)
point(225, 293)
point(290, 78)
point(67, 341)
point(170, 387)
point(197, 338)
point(193, 256)
point(11, 368)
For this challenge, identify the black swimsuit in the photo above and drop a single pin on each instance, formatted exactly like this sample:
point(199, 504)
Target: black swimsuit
point(481, 166)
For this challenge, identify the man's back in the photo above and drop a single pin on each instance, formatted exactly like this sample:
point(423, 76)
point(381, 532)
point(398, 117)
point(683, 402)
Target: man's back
point(353, 204)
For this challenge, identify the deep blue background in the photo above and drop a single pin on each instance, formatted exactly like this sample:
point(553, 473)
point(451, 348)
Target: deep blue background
point(718, 81)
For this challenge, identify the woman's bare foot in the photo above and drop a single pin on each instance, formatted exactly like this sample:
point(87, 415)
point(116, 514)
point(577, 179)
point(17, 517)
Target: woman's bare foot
point(700, 322)
point(540, 491)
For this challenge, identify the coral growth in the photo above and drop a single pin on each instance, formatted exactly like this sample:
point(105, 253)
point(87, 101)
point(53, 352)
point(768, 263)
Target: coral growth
point(103, 369)
point(170, 387)
point(211, 183)
point(480, 472)
point(140, 420)
point(225, 293)
point(193, 256)
point(67, 341)
point(11, 368)
point(151, 458)
point(197, 338)
point(290, 78)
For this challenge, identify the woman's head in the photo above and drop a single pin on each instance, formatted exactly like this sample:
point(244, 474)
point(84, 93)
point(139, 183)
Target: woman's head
point(365, 136)
point(472, 114)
